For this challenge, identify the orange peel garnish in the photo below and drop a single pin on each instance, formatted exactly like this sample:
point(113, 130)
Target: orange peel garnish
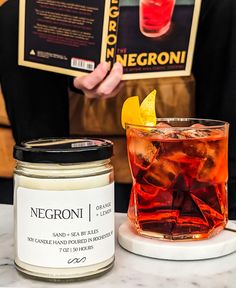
point(148, 110)
point(134, 113)
point(131, 112)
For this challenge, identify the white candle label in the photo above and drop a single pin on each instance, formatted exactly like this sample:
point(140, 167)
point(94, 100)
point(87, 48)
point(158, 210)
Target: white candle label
point(63, 229)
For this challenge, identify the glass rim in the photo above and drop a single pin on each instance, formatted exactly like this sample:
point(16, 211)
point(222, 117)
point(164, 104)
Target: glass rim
point(218, 123)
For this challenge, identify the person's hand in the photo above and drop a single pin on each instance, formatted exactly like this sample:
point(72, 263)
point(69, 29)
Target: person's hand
point(100, 84)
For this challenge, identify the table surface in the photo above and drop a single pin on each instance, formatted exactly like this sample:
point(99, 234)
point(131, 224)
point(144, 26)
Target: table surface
point(129, 271)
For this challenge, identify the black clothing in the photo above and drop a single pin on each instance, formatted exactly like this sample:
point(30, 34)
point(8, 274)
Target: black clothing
point(122, 195)
point(36, 101)
point(6, 190)
point(214, 68)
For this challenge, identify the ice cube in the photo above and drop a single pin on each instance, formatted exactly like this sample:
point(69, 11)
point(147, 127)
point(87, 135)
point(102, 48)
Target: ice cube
point(152, 197)
point(198, 125)
point(195, 148)
point(181, 151)
point(194, 133)
point(162, 173)
point(163, 125)
point(189, 157)
point(142, 149)
point(215, 164)
point(163, 131)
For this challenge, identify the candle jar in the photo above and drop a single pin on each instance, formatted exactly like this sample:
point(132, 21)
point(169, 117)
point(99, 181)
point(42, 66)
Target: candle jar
point(64, 208)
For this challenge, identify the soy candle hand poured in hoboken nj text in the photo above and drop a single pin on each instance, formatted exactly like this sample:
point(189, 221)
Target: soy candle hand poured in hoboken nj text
point(64, 208)
point(180, 171)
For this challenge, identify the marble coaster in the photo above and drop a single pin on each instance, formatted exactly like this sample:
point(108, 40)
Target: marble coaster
point(222, 244)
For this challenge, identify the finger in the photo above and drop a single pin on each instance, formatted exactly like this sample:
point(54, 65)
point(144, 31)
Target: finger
point(93, 79)
point(94, 93)
point(115, 92)
point(111, 82)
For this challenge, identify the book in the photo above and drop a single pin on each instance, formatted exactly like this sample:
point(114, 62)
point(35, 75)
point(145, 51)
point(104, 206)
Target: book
point(151, 38)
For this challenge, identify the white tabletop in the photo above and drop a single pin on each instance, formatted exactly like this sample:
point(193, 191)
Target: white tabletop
point(129, 271)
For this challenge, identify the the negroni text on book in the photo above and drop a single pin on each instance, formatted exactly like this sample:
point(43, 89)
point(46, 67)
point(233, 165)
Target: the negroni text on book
point(151, 58)
point(112, 30)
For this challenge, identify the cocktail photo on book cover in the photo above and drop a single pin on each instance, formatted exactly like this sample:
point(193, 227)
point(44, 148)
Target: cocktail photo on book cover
point(150, 38)
point(156, 37)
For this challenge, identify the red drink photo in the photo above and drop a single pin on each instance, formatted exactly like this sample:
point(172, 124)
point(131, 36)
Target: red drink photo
point(180, 172)
point(155, 16)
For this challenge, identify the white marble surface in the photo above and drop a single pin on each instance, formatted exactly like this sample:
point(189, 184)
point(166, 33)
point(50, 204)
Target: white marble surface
point(129, 271)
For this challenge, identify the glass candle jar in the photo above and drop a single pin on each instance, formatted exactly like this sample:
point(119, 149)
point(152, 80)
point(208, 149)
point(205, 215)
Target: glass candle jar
point(64, 208)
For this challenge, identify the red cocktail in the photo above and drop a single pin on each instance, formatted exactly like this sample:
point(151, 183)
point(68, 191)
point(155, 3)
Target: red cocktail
point(155, 16)
point(180, 171)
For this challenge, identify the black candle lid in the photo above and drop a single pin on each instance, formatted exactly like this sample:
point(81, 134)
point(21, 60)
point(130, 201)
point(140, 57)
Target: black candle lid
point(63, 150)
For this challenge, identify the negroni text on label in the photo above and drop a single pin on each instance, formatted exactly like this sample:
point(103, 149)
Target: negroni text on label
point(56, 213)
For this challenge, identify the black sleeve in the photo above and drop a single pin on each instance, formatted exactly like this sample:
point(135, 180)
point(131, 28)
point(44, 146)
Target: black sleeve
point(214, 68)
point(36, 101)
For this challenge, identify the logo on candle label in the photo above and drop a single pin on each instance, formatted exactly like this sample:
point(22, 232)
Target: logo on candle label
point(56, 213)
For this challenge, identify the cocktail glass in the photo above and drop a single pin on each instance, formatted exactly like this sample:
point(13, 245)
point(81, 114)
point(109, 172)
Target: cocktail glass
point(180, 171)
point(155, 16)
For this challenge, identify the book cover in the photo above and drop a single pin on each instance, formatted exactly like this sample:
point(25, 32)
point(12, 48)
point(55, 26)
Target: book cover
point(151, 38)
